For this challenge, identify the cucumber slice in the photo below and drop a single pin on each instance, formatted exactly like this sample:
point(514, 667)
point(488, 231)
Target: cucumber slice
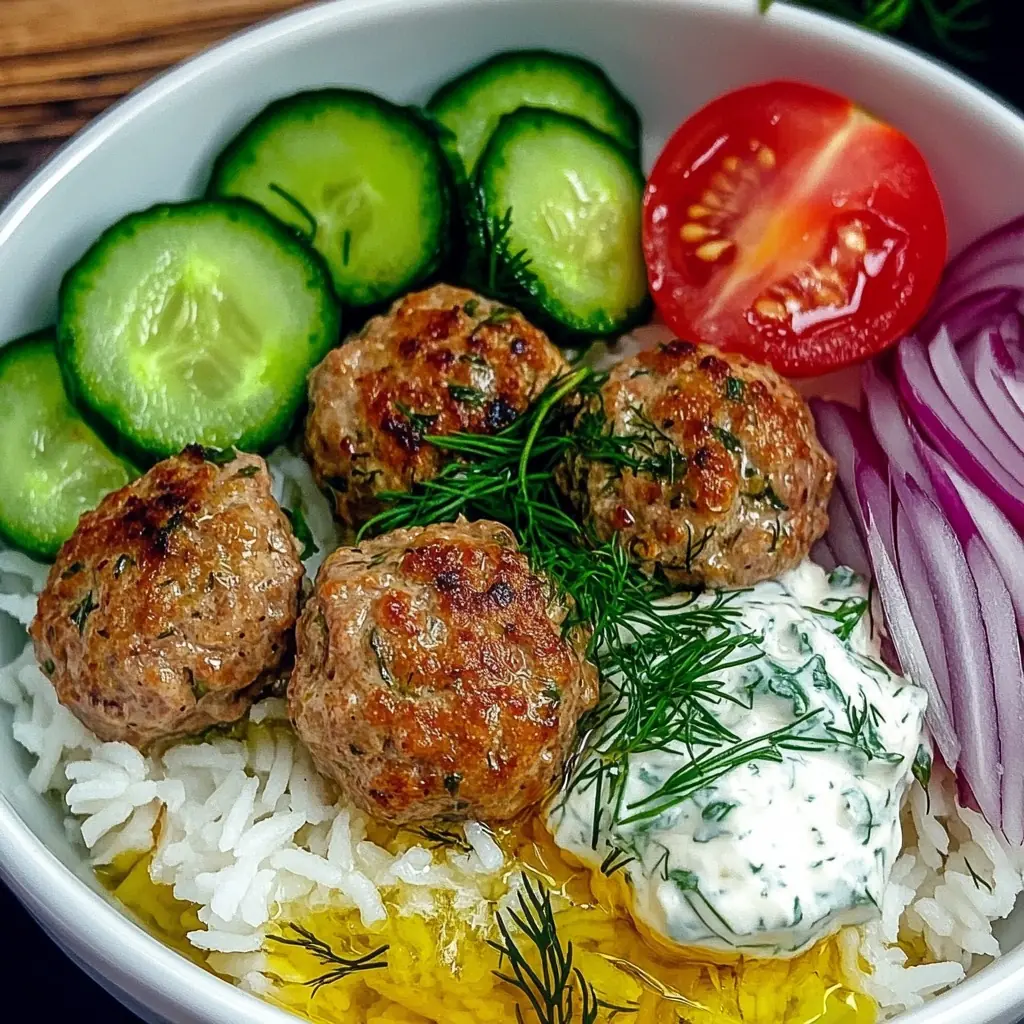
point(470, 106)
point(53, 467)
point(195, 322)
point(561, 203)
point(363, 181)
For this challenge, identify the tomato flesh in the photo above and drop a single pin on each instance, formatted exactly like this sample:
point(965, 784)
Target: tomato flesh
point(783, 222)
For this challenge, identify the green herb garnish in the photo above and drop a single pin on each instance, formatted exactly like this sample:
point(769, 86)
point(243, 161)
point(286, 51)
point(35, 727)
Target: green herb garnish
point(728, 440)
point(380, 652)
point(309, 234)
point(82, 611)
point(552, 986)
point(466, 395)
point(979, 882)
point(717, 810)
point(122, 563)
point(660, 665)
point(218, 456)
point(440, 838)
point(500, 316)
point(769, 497)
point(495, 267)
point(945, 20)
point(303, 534)
point(421, 422)
point(615, 860)
point(922, 766)
point(340, 966)
point(645, 449)
point(847, 614)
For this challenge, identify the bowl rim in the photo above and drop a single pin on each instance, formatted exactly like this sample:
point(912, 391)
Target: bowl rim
point(98, 931)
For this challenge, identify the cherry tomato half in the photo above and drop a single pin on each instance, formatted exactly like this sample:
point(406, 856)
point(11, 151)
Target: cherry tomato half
point(783, 222)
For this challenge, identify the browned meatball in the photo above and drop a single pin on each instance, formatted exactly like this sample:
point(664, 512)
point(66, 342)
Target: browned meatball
point(433, 678)
point(173, 602)
point(440, 361)
point(728, 483)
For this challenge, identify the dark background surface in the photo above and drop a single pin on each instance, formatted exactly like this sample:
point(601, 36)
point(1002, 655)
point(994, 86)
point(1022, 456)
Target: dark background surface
point(30, 963)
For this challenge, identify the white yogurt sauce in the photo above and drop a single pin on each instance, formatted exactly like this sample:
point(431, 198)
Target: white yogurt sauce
point(773, 856)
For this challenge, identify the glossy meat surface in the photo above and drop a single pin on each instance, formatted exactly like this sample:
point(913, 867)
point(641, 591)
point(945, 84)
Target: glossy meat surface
point(433, 677)
point(727, 482)
point(173, 602)
point(440, 361)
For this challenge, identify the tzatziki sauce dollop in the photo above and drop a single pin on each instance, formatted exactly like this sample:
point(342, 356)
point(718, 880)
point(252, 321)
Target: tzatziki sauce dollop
point(773, 854)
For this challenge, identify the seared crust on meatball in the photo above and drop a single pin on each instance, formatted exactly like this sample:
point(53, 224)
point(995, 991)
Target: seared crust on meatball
point(173, 602)
point(440, 361)
point(433, 678)
point(706, 464)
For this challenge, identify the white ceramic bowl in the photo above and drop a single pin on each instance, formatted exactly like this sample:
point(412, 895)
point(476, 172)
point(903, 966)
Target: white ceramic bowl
point(670, 57)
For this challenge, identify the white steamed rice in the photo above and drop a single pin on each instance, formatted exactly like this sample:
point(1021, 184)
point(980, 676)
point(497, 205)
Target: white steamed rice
point(248, 827)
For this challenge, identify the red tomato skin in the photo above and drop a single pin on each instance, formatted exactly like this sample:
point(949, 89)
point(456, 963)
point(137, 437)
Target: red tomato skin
point(814, 172)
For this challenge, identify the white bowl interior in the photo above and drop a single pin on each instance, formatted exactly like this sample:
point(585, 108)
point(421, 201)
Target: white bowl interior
point(669, 57)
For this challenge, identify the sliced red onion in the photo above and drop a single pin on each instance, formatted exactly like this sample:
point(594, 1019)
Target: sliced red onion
point(960, 390)
point(1003, 541)
point(846, 437)
point(935, 415)
point(844, 537)
point(1000, 623)
point(822, 554)
point(1008, 362)
point(991, 364)
point(1009, 275)
point(921, 602)
point(873, 487)
point(889, 423)
point(1008, 673)
point(966, 643)
point(907, 640)
point(965, 318)
point(1003, 244)
point(1009, 331)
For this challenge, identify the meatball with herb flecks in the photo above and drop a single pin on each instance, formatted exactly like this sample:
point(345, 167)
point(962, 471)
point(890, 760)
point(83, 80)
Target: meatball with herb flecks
point(705, 464)
point(439, 361)
point(434, 677)
point(173, 603)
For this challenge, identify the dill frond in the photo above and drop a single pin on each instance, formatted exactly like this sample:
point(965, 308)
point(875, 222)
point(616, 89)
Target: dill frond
point(340, 966)
point(846, 613)
point(947, 21)
point(661, 655)
point(541, 967)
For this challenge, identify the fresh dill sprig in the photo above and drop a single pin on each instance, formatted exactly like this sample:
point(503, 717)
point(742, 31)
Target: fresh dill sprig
point(441, 838)
point(979, 882)
point(303, 534)
point(340, 966)
point(615, 860)
point(847, 613)
point(646, 449)
point(946, 20)
point(495, 266)
point(710, 765)
point(862, 731)
point(307, 233)
point(553, 987)
point(660, 655)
